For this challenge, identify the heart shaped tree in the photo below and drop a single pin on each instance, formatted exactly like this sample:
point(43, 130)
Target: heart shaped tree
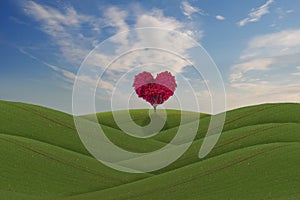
point(155, 90)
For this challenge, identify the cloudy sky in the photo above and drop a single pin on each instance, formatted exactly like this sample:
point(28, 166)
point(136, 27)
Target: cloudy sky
point(254, 44)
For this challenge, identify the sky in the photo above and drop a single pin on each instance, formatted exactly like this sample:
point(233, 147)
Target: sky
point(47, 46)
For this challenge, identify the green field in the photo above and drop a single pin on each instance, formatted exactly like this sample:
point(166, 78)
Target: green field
point(256, 157)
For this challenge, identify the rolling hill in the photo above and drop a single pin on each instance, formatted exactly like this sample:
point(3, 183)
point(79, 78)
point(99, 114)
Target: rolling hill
point(256, 157)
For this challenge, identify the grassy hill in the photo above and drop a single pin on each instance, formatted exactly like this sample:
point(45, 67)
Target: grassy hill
point(256, 157)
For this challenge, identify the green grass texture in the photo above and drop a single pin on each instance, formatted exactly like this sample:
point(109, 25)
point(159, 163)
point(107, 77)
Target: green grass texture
point(256, 157)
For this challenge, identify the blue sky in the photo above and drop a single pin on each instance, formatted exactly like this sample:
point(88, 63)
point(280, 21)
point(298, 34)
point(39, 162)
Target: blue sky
point(255, 45)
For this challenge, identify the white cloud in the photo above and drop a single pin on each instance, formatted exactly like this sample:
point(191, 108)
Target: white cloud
point(64, 74)
point(248, 55)
point(256, 13)
point(140, 37)
point(220, 17)
point(163, 38)
point(115, 17)
point(286, 38)
point(54, 19)
point(124, 48)
point(240, 69)
point(259, 64)
point(244, 94)
point(266, 72)
point(188, 10)
point(70, 77)
point(63, 26)
point(156, 18)
point(281, 43)
point(282, 13)
point(297, 73)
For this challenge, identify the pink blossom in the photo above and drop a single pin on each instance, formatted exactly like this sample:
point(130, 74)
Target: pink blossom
point(155, 91)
